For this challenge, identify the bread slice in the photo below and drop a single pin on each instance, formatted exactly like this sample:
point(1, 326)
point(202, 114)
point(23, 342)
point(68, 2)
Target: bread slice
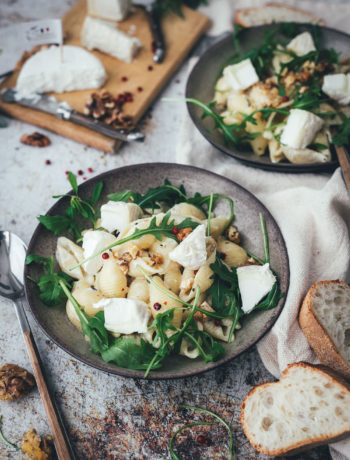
point(325, 320)
point(309, 406)
point(274, 12)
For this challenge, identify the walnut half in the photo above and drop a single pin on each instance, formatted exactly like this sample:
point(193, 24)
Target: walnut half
point(37, 448)
point(15, 382)
point(36, 140)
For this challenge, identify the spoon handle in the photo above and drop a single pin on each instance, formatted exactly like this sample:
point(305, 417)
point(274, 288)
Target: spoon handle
point(58, 430)
point(60, 435)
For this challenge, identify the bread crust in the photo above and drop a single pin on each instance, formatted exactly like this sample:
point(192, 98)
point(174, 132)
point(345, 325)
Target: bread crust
point(239, 13)
point(307, 443)
point(317, 336)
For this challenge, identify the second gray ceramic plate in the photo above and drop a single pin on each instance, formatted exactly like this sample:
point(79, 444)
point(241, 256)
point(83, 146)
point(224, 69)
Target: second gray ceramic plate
point(54, 320)
point(204, 74)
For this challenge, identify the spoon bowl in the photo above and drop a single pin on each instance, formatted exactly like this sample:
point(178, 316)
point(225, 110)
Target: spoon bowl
point(12, 259)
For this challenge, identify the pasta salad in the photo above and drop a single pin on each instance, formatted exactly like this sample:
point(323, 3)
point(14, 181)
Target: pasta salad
point(284, 97)
point(154, 274)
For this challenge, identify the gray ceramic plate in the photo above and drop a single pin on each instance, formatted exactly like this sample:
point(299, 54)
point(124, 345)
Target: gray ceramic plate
point(203, 76)
point(54, 321)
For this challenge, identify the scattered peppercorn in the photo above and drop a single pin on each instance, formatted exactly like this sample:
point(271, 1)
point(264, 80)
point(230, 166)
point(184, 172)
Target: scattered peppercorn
point(124, 79)
point(285, 99)
point(175, 230)
point(201, 439)
point(139, 89)
point(47, 162)
point(90, 170)
point(157, 306)
point(150, 67)
point(66, 172)
point(195, 272)
point(80, 172)
point(84, 178)
point(105, 255)
point(153, 46)
point(217, 322)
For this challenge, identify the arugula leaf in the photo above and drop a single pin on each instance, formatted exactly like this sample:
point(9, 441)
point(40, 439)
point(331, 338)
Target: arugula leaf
point(342, 137)
point(2, 436)
point(96, 192)
point(318, 146)
point(165, 228)
point(271, 300)
point(51, 293)
point(126, 353)
point(73, 182)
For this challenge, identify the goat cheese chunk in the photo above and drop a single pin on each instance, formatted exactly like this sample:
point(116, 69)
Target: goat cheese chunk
point(191, 252)
point(117, 215)
point(45, 71)
point(94, 241)
point(301, 128)
point(105, 37)
point(124, 316)
point(337, 87)
point(240, 76)
point(302, 44)
point(255, 282)
point(114, 10)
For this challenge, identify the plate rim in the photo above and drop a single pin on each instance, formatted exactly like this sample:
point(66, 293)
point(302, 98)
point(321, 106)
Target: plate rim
point(291, 168)
point(162, 375)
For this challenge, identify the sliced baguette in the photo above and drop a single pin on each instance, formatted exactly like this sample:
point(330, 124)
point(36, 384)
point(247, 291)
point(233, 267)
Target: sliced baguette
point(325, 320)
point(309, 406)
point(273, 12)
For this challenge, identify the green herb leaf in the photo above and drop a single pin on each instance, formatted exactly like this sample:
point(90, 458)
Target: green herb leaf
point(56, 224)
point(2, 436)
point(96, 193)
point(73, 182)
point(51, 293)
point(125, 196)
point(342, 137)
point(126, 353)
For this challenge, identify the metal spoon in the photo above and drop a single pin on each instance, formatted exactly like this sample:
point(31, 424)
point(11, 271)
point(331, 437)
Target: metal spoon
point(12, 258)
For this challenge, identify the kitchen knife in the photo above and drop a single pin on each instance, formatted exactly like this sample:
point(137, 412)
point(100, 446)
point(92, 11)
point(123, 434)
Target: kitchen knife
point(50, 104)
point(150, 6)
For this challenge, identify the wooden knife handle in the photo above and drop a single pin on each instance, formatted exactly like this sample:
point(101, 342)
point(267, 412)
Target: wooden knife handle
point(63, 447)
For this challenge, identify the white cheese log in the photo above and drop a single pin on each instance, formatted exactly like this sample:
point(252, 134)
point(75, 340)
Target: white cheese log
point(337, 87)
point(117, 215)
point(114, 10)
point(301, 128)
point(240, 76)
point(191, 252)
point(45, 71)
point(105, 37)
point(302, 44)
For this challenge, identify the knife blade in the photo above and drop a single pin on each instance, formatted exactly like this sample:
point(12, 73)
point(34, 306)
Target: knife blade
point(150, 6)
point(50, 104)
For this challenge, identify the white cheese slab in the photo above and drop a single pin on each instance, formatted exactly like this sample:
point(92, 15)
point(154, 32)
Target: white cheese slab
point(240, 76)
point(255, 282)
point(191, 252)
point(301, 128)
point(45, 71)
point(106, 37)
point(94, 241)
point(124, 316)
point(113, 10)
point(117, 215)
point(337, 86)
point(302, 44)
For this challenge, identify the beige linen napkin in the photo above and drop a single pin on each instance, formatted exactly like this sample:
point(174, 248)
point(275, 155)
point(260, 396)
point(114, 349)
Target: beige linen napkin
point(312, 210)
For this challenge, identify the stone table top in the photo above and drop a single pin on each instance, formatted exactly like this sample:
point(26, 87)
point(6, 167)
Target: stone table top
point(108, 417)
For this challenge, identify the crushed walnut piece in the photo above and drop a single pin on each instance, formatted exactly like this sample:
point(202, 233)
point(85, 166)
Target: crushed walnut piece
point(103, 106)
point(156, 260)
point(36, 140)
point(199, 316)
point(233, 234)
point(183, 233)
point(15, 382)
point(36, 447)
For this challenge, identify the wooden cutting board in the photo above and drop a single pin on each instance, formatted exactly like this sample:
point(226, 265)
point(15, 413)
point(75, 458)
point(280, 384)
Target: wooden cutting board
point(180, 36)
